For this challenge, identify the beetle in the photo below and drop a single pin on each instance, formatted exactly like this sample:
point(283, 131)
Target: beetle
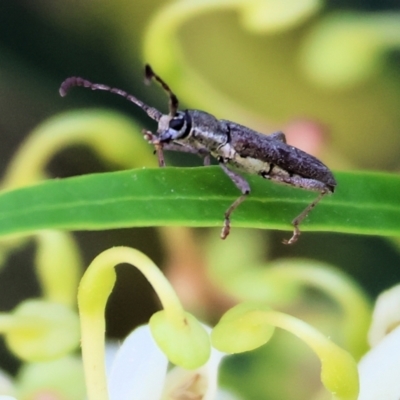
point(234, 146)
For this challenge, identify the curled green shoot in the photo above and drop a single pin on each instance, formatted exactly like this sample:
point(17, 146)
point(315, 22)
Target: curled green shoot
point(338, 368)
point(94, 290)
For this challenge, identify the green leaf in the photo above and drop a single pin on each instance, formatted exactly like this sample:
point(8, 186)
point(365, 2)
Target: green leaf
point(364, 203)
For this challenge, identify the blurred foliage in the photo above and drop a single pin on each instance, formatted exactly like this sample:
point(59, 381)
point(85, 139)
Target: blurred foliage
point(328, 75)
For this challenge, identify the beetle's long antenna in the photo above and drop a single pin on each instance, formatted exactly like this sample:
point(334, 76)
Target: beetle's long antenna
point(173, 100)
point(77, 81)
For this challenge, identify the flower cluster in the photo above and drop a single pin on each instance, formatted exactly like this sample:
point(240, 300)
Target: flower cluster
point(139, 369)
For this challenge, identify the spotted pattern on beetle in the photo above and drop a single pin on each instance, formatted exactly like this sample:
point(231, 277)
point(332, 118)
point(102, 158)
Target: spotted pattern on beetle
point(235, 147)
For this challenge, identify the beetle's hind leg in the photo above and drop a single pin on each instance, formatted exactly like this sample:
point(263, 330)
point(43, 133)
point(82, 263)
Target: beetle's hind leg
point(244, 187)
point(299, 219)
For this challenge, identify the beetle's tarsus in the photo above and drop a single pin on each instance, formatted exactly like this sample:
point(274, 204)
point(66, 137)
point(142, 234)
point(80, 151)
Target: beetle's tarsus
point(295, 236)
point(226, 228)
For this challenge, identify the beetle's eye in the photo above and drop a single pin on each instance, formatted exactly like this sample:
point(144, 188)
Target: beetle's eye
point(176, 123)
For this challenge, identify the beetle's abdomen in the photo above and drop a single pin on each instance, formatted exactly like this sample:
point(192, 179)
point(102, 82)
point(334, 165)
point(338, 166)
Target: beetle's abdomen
point(250, 144)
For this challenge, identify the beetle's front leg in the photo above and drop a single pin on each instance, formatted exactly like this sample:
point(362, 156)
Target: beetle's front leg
point(158, 146)
point(244, 187)
point(184, 148)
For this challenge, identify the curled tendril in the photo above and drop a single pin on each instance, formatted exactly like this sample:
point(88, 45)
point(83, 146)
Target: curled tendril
point(162, 50)
point(344, 49)
point(181, 337)
point(92, 128)
point(248, 323)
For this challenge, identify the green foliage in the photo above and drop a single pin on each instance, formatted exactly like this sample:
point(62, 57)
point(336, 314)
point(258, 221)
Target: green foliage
point(365, 203)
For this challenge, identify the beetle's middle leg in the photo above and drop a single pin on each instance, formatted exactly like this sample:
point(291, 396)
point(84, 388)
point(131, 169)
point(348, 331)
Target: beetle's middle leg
point(244, 187)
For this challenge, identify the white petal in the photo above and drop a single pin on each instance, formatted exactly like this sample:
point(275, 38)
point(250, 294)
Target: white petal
point(139, 369)
point(112, 348)
point(211, 371)
point(379, 370)
point(386, 315)
point(6, 385)
point(225, 395)
point(201, 383)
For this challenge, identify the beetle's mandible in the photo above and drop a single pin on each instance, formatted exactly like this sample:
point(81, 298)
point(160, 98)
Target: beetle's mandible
point(233, 145)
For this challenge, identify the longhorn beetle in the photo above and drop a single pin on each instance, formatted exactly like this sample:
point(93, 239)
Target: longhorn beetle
point(233, 145)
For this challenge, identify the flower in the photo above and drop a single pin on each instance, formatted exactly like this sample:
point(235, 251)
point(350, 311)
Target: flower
point(140, 371)
point(378, 369)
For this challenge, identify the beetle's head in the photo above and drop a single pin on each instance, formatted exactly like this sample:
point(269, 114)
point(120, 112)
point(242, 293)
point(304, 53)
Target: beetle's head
point(174, 128)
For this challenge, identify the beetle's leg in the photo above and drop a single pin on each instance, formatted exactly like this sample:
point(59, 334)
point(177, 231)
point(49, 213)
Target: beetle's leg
point(158, 146)
point(244, 187)
point(303, 183)
point(160, 154)
point(206, 159)
point(297, 221)
point(203, 153)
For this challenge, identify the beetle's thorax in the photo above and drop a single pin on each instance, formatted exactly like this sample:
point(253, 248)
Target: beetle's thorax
point(193, 127)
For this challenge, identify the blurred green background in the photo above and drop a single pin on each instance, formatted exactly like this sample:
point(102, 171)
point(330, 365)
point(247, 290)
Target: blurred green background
point(331, 81)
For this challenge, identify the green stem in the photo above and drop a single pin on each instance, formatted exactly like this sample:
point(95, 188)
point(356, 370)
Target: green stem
point(58, 266)
point(124, 147)
point(94, 290)
point(338, 369)
point(350, 297)
point(161, 45)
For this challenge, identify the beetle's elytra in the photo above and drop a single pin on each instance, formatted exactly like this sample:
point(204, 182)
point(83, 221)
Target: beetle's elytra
point(233, 145)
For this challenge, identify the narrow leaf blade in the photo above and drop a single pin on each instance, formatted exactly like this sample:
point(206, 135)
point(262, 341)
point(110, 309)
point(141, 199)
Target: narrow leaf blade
point(364, 203)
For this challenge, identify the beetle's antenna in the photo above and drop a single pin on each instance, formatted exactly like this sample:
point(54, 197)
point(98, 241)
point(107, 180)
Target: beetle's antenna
point(77, 81)
point(173, 100)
